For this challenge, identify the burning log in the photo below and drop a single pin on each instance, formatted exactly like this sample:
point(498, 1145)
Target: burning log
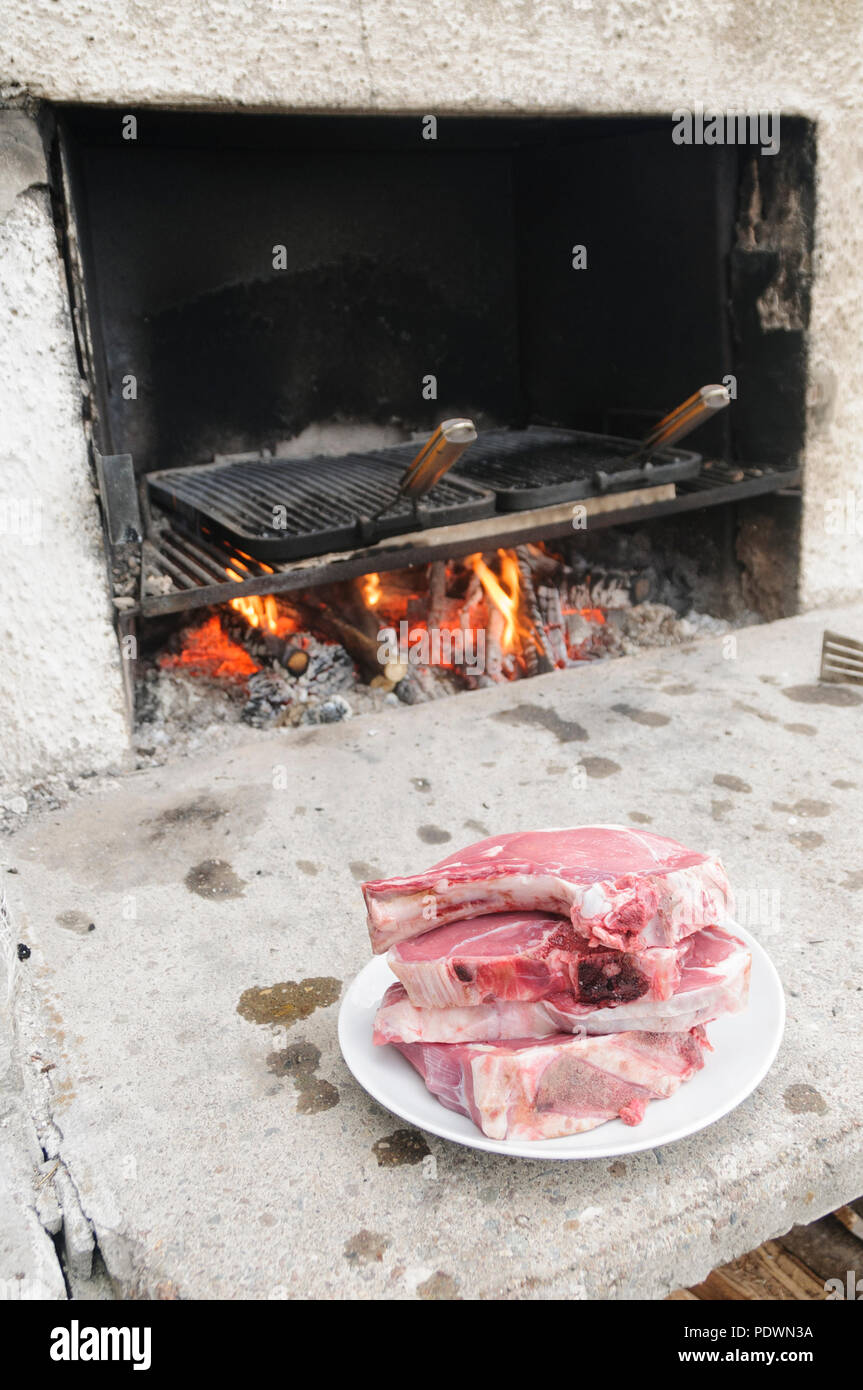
point(545, 567)
point(295, 660)
point(493, 645)
point(436, 593)
point(320, 613)
point(553, 623)
point(359, 645)
point(539, 658)
point(392, 674)
point(604, 588)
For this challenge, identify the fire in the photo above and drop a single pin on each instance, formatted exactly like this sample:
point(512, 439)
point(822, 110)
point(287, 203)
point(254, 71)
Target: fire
point(504, 594)
point(209, 651)
point(372, 590)
point(501, 590)
point(260, 612)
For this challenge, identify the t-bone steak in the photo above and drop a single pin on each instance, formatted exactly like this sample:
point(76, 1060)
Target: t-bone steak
point(623, 888)
point(713, 980)
point(562, 1085)
point(526, 955)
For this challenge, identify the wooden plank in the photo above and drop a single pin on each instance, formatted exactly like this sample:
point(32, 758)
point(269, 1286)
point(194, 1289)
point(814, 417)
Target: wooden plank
point(826, 1247)
point(768, 1273)
point(848, 1217)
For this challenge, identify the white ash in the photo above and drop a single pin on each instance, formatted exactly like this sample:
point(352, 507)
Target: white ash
point(181, 710)
point(276, 696)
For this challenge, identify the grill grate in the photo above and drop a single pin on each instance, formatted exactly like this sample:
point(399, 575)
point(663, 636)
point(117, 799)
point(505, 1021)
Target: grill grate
point(287, 509)
point(182, 571)
point(321, 501)
point(539, 467)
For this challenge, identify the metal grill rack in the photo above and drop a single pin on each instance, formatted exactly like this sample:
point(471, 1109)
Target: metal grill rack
point(538, 467)
point(287, 509)
point(183, 571)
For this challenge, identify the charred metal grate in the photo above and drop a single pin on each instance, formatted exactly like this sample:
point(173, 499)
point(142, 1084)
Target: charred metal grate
point(287, 509)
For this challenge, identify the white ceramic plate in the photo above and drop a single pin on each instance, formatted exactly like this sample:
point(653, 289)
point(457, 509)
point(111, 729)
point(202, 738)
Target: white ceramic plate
point(744, 1048)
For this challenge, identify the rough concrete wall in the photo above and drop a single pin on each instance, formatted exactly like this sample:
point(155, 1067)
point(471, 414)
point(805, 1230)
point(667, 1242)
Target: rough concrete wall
point(832, 538)
point(639, 56)
point(61, 700)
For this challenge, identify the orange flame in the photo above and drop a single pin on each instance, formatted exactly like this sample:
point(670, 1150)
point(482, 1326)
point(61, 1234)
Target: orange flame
point(501, 593)
point(258, 612)
point(505, 595)
point(372, 590)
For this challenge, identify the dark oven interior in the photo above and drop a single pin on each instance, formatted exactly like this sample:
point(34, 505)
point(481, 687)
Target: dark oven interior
point(325, 285)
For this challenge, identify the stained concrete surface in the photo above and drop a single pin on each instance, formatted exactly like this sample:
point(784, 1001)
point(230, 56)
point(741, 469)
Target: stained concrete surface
point(188, 1065)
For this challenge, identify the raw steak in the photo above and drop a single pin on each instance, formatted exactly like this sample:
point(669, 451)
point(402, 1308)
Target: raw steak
point(527, 955)
point(542, 1090)
point(623, 888)
point(714, 980)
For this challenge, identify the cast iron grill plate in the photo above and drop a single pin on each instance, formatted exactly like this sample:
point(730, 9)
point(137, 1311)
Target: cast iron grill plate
point(325, 499)
point(538, 466)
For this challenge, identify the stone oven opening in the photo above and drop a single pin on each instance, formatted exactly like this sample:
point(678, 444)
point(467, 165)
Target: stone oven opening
point(306, 295)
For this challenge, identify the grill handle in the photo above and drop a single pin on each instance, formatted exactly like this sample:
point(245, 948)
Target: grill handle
point(691, 413)
point(435, 458)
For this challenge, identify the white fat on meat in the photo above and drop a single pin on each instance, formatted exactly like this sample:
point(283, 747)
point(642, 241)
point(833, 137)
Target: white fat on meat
point(622, 888)
point(713, 980)
point(564, 1085)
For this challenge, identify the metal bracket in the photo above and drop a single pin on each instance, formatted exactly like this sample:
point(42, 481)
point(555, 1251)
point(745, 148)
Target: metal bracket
point(118, 489)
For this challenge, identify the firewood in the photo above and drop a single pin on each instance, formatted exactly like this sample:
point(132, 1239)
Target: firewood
point(472, 596)
point(436, 593)
point(543, 566)
point(554, 623)
point(295, 660)
point(493, 649)
point(360, 645)
point(540, 658)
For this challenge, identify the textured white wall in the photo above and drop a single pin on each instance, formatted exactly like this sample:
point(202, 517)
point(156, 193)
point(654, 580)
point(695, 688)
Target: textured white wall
point(638, 56)
point(61, 703)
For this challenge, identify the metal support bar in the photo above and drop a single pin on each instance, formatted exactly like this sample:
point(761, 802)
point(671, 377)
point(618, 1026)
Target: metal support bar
point(119, 492)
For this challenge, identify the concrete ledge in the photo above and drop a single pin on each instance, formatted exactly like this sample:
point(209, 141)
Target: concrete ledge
point(217, 1152)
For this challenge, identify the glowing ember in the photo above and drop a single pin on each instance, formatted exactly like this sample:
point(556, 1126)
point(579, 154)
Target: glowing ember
point(590, 615)
point(208, 651)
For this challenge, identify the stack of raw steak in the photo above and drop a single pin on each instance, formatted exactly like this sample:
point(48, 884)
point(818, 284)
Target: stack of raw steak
point(555, 979)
